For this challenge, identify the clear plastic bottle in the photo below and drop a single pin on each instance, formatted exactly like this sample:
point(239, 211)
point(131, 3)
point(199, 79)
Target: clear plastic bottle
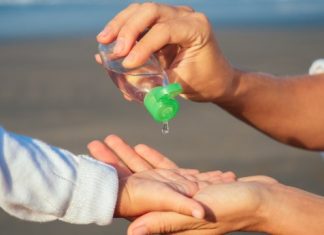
point(147, 84)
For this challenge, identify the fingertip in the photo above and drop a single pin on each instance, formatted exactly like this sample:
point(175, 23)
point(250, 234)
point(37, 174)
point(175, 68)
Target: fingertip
point(198, 212)
point(126, 97)
point(190, 207)
point(101, 38)
point(110, 137)
point(105, 36)
point(188, 171)
point(258, 178)
point(131, 60)
point(113, 140)
point(93, 145)
point(214, 175)
point(229, 175)
point(218, 172)
point(98, 58)
point(185, 96)
point(140, 148)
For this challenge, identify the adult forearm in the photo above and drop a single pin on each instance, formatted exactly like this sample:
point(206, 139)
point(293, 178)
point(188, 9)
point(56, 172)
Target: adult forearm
point(294, 211)
point(289, 109)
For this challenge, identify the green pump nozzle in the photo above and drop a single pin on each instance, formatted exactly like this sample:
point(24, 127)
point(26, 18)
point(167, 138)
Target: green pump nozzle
point(160, 102)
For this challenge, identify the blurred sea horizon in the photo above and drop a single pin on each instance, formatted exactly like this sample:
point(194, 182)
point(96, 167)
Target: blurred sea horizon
point(30, 19)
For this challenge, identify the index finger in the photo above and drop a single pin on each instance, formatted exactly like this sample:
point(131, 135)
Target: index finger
point(111, 30)
point(155, 158)
point(127, 154)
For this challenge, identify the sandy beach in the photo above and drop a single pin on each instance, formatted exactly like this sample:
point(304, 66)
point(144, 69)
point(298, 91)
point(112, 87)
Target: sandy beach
point(53, 90)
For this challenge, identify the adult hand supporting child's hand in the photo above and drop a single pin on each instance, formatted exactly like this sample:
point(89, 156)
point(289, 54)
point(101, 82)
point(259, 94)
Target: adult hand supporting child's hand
point(255, 203)
point(231, 206)
point(224, 199)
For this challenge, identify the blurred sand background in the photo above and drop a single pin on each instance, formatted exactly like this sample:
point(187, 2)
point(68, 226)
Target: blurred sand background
point(53, 90)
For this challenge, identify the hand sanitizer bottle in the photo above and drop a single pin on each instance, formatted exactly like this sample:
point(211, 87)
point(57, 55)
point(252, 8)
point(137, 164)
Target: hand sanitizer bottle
point(147, 84)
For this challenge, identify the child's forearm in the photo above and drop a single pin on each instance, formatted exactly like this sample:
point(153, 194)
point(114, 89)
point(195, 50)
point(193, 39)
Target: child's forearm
point(39, 182)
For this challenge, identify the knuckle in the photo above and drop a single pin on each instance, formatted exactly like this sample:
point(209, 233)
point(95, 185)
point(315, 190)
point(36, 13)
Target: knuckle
point(113, 141)
point(152, 7)
point(125, 30)
point(128, 31)
point(164, 27)
point(113, 24)
point(202, 18)
point(134, 5)
point(186, 8)
point(202, 22)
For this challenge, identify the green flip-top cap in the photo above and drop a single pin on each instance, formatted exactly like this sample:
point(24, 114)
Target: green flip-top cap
point(160, 102)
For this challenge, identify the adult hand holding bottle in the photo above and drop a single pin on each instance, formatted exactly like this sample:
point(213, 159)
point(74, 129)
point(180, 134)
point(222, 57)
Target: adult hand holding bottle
point(183, 40)
point(288, 108)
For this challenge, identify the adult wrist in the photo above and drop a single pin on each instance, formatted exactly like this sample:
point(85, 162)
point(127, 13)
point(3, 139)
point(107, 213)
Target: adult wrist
point(294, 211)
point(231, 88)
point(268, 208)
point(276, 209)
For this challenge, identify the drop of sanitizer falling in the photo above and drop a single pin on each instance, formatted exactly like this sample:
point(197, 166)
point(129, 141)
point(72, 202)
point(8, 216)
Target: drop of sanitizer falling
point(165, 128)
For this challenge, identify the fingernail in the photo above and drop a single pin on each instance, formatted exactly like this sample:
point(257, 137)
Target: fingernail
point(130, 59)
point(104, 33)
point(101, 34)
point(119, 45)
point(197, 214)
point(141, 230)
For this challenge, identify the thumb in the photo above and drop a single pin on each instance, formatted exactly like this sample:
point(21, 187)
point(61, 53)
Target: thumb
point(186, 206)
point(102, 153)
point(174, 201)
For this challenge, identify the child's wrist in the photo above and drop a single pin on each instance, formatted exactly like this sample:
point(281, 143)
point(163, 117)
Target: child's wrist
point(123, 199)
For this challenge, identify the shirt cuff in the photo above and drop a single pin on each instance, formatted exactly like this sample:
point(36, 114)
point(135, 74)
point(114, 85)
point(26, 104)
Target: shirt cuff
point(317, 67)
point(95, 194)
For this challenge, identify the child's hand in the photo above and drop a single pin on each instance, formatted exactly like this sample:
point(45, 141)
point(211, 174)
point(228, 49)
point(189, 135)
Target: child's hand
point(127, 160)
point(167, 188)
point(158, 190)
